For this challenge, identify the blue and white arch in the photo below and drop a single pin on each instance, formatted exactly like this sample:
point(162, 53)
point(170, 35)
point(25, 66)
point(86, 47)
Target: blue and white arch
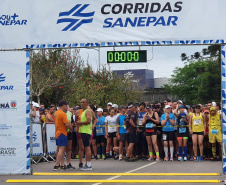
point(159, 43)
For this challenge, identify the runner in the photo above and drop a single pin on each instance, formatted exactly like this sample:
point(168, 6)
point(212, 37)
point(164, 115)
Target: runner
point(131, 127)
point(85, 129)
point(197, 128)
point(168, 121)
point(215, 130)
point(100, 130)
point(110, 132)
point(142, 146)
point(69, 139)
point(50, 115)
point(159, 131)
point(121, 131)
point(78, 115)
point(182, 131)
point(150, 121)
point(61, 126)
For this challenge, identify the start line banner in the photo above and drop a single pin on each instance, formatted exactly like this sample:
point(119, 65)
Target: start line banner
point(24, 23)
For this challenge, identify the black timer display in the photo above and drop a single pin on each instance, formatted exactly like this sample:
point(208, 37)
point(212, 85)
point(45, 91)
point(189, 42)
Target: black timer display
point(127, 56)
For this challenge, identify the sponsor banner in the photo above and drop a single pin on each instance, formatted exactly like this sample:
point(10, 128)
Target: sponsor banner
point(102, 21)
point(14, 145)
point(37, 145)
point(50, 137)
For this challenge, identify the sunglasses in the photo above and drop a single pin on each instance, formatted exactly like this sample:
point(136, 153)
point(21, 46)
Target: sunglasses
point(197, 107)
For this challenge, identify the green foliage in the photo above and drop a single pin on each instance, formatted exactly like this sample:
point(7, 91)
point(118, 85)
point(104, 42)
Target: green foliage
point(61, 74)
point(197, 82)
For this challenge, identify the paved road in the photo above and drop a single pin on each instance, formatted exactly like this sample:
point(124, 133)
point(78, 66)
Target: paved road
point(113, 166)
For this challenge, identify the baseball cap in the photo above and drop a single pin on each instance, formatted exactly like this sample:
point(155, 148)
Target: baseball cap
point(41, 109)
point(198, 106)
point(74, 108)
point(109, 103)
point(181, 106)
point(123, 107)
point(99, 110)
point(167, 106)
point(187, 107)
point(180, 101)
point(114, 106)
point(148, 107)
point(62, 102)
point(130, 105)
point(36, 105)
point(212, 109)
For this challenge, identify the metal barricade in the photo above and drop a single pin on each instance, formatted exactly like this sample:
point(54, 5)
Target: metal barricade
point(50, 140)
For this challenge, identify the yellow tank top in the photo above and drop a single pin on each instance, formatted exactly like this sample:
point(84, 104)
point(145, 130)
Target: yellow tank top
point(197, 123)
point(215, 122)
point(86, 129)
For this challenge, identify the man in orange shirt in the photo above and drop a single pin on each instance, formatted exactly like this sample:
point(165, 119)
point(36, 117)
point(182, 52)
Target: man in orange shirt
point(61, 126)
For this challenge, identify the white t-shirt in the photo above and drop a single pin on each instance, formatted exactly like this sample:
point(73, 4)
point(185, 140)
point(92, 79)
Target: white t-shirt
point(36, 119)
point(111, 121)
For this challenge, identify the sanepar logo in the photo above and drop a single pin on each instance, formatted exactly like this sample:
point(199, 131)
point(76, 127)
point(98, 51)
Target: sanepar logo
point(124, 15)
point(75, 17)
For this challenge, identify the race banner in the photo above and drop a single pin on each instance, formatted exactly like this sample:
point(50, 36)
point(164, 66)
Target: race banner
point(14, 120)
point(37, 146)
point(50, 137)
point(97, 22)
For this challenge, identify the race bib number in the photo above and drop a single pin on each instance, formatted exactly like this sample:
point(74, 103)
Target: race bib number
point(140, 122)
point(164, 137)
point(99, 130)
point(124, 127)
point(149, 125)
point(214, 131)
point(197, 122)
point(182, 130)
point(112, 128)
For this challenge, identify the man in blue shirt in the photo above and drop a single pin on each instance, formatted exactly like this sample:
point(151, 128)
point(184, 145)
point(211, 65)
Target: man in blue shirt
point(121, 131)
point(168, 122)
point(100, 134)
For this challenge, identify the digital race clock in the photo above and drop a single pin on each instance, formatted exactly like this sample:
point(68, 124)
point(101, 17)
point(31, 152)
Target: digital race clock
point(127, 56)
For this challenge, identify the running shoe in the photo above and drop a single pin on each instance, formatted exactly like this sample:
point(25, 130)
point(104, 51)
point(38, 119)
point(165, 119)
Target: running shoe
point(166, 159)
point(86, 168)
point(103, 156)
point(191, 158)
point(96, 157)
point(157, 159)
point(69, 166)
point(151, 158)
point(92, 157)
point(171, 159)
point(64, 167)
point(201, 158)
point(214, 159)
point(80, 165)
point(120, 158)
point(180, 159)
point(56, 168)
point(196, 158)
point(185, 158)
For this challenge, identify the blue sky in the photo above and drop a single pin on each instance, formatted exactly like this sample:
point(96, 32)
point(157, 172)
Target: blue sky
point(161, 59)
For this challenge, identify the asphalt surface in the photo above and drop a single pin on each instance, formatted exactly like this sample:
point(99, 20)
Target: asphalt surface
point(115, 166)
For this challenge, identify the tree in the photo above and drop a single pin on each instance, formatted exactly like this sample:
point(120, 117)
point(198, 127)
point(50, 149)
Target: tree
point(61, 74)
point(52, 70)
point(199, 81)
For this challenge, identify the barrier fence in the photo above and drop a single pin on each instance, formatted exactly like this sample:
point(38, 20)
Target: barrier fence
point(43, 141)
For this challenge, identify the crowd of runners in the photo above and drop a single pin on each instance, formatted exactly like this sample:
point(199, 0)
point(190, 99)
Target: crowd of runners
point(137, 131)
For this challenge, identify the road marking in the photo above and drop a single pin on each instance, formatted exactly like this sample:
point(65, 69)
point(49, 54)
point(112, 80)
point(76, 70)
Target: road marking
point(127, 174)
point(106, 181)
point(115, 177)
